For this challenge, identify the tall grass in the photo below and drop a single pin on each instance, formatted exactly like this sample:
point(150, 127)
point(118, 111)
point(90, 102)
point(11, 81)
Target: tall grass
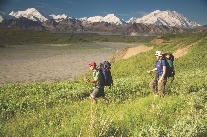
point(64, 109)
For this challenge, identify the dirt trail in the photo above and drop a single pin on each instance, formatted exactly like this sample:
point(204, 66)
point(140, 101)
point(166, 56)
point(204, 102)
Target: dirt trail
point(183, 51)
point(128, 52)
point(133, 51)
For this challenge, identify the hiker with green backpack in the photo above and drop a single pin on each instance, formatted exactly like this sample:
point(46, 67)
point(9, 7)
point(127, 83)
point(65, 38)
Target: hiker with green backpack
point(157, 85)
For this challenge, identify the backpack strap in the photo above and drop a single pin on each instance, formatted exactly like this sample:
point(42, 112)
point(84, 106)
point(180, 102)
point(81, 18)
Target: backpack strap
point(162, 61)
point(95, 73)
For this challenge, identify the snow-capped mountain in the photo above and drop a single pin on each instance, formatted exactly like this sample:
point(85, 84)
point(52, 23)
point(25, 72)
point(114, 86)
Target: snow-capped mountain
point(131, 20)
point(34, 15)
point(30, 13)
point(58, 18)
point(110, 18)
point(1, 16)
point(166, 18)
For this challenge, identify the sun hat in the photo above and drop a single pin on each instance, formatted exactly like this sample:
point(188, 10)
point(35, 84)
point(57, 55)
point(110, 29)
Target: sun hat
point(158, 53)
point(92, 64)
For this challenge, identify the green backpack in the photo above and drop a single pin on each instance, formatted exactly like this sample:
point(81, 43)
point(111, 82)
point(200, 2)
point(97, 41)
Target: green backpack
point(170, 71)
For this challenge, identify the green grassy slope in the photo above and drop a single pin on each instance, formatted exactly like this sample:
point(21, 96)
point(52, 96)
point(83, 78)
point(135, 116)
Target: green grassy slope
point(64, 109)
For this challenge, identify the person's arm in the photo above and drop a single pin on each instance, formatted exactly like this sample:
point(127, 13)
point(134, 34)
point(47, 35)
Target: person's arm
point(163, 74)
point(164, 71)
point(90, 81)
point(149, 71)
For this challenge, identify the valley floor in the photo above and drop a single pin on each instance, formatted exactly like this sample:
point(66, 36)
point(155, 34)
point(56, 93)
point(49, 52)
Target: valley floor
point(26, 64)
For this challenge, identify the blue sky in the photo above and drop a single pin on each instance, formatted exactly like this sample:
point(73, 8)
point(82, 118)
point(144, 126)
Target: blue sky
point(194, 10)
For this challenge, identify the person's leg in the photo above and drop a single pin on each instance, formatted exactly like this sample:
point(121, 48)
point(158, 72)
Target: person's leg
point(93, 100)
point(161, 87)
point(153, 85)
point(93, 95)
point(105, 99)
point(102, 95)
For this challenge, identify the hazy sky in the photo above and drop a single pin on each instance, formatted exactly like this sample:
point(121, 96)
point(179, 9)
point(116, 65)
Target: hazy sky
point(194, 10)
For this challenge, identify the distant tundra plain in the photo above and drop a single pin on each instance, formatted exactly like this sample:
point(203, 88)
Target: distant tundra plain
point(51, 63)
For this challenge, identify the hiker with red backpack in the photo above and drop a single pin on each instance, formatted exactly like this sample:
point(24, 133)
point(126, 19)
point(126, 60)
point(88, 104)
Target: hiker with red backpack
point(98, 84)
point(157, 85)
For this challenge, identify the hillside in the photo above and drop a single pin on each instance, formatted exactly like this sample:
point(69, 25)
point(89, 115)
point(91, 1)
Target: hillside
point(63, 108)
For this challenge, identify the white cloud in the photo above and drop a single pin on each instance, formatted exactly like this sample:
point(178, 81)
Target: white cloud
point(123, 14)
point(41, 6)
point(142, 13)
point(104, 12)
point(58, 8)
point(1, 12)
point(70, 3)
point(45, 4)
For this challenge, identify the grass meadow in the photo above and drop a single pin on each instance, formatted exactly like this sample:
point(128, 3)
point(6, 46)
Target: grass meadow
point(63, 109)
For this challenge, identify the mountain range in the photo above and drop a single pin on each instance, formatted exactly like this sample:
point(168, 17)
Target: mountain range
point(152, 24)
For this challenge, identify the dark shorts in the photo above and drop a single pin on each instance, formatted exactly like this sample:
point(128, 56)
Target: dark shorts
point(98, 92)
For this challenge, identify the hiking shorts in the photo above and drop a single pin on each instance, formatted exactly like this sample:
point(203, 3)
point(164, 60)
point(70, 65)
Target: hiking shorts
point(98, 92)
